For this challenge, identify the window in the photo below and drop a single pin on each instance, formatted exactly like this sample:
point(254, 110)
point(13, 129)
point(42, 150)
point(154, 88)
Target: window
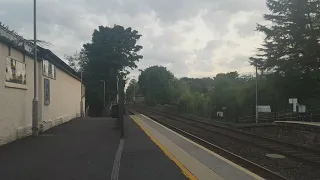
point(15, 72)
point(48, 69)
point(46, 92)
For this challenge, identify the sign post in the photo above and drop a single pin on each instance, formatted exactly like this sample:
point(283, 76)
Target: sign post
point(294, 102)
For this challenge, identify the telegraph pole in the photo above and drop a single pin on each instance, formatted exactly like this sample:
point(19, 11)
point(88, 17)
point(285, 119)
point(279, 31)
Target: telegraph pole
point(35, 95)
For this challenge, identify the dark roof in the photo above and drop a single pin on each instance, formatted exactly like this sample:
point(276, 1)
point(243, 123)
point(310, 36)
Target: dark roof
point(46, 54)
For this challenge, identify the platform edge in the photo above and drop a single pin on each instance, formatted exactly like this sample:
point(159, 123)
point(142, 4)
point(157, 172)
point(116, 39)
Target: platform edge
point(183, 169)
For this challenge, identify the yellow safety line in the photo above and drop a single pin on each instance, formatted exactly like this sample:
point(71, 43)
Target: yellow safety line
point(184, 170)
point(211, 152)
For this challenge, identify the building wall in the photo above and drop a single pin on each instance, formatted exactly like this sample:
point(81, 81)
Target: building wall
point(64, 99)
point(16, 103)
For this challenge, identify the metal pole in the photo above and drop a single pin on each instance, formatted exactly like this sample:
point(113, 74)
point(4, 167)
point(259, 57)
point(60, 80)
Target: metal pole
point(81, 102)
point(117, 89)
point(35, 97)
point(134, 92)
point(121, 107)
point(104, 94)
point(257, 116)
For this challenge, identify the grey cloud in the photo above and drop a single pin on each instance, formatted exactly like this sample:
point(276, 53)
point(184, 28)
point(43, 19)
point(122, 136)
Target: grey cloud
point(23, 13)
point(202, 66)
point(49, 14)
point(166, 10)
point(206, 53)
point(234, 6)
point(163, 52)
point(232, 44)
point(70, 23)
point(248, 28)
point(170, 11)
point(204, 56)
point(217, 20)
point(237, 62)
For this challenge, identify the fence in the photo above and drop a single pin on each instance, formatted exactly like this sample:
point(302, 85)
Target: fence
point(286, 115)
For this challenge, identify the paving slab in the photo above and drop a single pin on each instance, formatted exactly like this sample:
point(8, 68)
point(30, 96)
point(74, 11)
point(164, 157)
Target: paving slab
point(80, 149)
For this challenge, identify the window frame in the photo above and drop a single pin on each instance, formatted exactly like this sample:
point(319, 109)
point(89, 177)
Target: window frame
point(53, 71)
point(11, 84)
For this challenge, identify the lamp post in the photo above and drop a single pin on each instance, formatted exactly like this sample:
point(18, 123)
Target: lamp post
point(35, 95)
point(104, 93)
point(81, 101)
point(134, 91)
point(257, 115)
point(117, 89)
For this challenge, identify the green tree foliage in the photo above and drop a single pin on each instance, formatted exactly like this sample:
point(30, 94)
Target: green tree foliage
point(287, 64)
point(199, 84)
point(200, 96)
point(77, 61)
point(113, 49)
point(291, 47)
point(132, 88)
point(110, 53)
point(157, 84)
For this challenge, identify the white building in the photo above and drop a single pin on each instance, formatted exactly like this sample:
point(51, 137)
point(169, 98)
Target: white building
point(58, 88)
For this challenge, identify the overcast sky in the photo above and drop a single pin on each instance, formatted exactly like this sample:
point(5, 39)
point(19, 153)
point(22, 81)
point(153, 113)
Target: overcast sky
point(194, 38)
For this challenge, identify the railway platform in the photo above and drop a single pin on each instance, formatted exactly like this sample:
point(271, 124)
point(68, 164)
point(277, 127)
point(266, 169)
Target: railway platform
point(194, 160)
point(87, 149)
point(91, 148)
point(303, 125)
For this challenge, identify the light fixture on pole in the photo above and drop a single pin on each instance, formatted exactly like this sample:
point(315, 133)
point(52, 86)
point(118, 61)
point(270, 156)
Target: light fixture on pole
point(35, 95)
point(104, 93)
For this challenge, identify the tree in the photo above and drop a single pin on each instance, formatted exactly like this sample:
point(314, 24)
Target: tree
point(291, 47)
point(199, 84)
point(290, 52)
point(132, 88)
point(113, 49)
point(107, 57)
point(77, 61)
point(157, 84)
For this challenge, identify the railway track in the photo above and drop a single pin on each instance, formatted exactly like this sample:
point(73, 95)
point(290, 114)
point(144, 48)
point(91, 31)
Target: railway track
point(254, 167)
point(301, 153)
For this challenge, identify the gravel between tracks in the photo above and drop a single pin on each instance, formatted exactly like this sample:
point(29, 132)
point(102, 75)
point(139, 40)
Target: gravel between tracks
point(287, 167)
point(292, 135)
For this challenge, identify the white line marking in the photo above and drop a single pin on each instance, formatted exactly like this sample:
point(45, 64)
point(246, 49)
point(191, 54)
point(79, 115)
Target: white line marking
point(116, 163)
